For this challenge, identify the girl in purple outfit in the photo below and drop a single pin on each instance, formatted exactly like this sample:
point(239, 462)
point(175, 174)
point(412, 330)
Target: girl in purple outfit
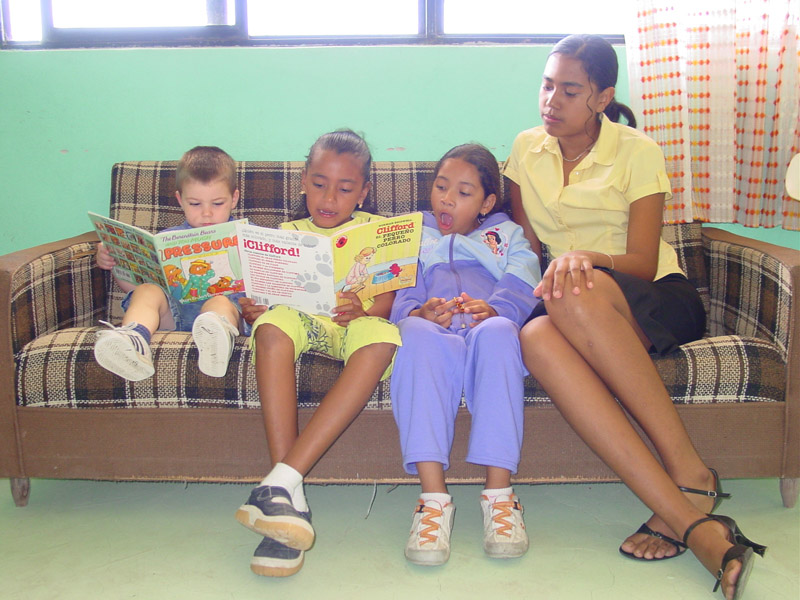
point(460, 326)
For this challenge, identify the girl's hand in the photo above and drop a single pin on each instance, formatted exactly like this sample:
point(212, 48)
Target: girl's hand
point(479, 309)
point(438, 310)
point(104, 260)
point(350, 311)
point(578, 265)
point(250, 310)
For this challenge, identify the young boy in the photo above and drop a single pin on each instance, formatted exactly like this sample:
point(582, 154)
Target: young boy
point(207, 192)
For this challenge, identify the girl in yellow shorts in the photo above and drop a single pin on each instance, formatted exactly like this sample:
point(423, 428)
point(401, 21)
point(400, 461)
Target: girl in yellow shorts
point(335, 182)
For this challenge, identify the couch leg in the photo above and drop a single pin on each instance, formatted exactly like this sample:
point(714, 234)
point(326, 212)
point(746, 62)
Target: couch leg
point(789, 490)
point(20, 489)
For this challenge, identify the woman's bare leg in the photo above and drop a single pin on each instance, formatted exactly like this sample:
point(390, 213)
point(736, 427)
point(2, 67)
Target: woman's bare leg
point(599, 324)
point(568, 371)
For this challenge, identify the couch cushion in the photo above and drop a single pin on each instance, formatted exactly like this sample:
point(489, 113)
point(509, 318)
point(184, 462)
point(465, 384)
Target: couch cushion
point(59, 370)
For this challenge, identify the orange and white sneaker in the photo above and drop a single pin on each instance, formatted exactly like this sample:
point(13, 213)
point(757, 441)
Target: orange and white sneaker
point(429, 540)
point(504, 534)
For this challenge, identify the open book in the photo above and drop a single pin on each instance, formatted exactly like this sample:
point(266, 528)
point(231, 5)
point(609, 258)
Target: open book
point(192, 265)
point(306, 270)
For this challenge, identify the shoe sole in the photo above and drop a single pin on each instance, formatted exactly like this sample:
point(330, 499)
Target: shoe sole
point(115, 354)
point(505, 551)
point(212, 341)
point(427, 558)
point(276, 568)
point(294, 532)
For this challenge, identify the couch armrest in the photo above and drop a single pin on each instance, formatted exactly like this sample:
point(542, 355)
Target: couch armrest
point(50, 287)
point(753, 285)
point(42, 289)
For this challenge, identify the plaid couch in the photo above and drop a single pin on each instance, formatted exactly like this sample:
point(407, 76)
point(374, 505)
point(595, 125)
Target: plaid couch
point(61, 415)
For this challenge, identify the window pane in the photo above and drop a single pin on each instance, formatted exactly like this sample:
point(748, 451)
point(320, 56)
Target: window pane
point(328, 17)
point(141, 13)
point(533, 17)
point(25, 21)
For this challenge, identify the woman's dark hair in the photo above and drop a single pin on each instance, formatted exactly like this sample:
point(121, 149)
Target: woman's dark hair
point(483, 160)
point(599, 60)
point(341, 141)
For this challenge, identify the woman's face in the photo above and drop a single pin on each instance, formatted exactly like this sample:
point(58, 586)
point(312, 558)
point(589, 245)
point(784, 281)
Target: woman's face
point(568, 101)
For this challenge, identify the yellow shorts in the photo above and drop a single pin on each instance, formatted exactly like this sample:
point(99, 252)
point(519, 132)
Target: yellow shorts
point(320, 333)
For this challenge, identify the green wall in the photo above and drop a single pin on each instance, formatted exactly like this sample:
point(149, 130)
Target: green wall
point(68, 115)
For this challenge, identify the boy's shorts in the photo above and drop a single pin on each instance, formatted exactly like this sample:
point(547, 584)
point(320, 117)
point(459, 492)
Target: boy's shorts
point(320, 333)
point(184, 314)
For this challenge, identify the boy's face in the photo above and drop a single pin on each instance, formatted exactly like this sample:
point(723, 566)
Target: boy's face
point(206, 204)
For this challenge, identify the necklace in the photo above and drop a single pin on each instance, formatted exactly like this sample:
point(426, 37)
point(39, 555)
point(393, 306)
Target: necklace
point(577, 158)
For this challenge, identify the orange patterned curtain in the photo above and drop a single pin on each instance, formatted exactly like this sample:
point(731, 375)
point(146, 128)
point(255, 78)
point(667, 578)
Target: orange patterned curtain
point(717, 83)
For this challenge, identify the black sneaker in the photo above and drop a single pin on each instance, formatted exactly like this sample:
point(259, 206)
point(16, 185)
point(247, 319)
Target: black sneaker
point(273, 559)
point(269, 512)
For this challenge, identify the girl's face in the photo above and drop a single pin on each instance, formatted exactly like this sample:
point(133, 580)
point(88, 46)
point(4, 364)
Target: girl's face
point(568, 101)
point(457, 197)
point(334, 186)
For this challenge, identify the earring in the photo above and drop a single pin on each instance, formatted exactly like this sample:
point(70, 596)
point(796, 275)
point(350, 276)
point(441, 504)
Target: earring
point(481, 218)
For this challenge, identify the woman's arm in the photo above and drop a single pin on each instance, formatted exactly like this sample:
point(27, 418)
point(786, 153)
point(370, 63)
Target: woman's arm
point(520, 218)
point(644, 237)
point(640, 258)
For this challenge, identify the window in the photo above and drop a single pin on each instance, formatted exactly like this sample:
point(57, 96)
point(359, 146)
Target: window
point(95, 23)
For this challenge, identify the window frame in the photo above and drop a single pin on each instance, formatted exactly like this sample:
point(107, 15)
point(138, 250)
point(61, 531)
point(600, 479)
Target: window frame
point(430, 19)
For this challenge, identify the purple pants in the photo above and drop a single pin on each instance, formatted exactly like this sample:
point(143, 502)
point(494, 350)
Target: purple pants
point(434, 366)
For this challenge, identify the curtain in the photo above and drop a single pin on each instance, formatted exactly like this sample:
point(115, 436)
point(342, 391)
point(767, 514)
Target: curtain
point(716, 83)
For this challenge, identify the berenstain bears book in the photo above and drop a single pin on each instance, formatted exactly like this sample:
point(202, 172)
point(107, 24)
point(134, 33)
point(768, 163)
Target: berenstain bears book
point(306, 270)
point(192, 265)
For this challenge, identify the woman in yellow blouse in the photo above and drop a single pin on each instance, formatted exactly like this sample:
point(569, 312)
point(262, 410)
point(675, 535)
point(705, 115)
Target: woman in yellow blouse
point(593, 191)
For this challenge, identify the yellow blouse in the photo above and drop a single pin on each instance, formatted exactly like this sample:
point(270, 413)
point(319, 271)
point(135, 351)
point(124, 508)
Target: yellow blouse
point(591, 213)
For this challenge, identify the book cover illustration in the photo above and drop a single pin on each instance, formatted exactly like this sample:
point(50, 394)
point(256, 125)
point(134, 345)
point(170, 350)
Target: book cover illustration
point(306, 270)
point(192, 265)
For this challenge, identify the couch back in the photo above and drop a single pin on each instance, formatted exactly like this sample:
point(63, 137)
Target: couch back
point(143, 194)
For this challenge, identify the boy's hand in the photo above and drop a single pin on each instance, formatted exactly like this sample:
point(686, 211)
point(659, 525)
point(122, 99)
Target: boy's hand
point(349, 311)
point(479, 309)
point(250, 310)
point(104, 260)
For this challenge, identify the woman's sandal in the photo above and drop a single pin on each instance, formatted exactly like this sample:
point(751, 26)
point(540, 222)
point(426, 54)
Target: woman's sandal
point(718, 496)
point(742, 550)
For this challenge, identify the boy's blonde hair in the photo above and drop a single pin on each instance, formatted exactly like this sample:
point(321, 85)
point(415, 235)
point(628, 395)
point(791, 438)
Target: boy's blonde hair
point(206, 164)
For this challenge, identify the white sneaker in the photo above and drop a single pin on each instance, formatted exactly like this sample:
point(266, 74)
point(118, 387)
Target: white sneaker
point(214, 337)
point(124, 352)
point(504, 534)
point(429, 541)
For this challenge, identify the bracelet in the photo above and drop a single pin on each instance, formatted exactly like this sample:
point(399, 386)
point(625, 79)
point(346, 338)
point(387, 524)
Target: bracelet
point(611, 258)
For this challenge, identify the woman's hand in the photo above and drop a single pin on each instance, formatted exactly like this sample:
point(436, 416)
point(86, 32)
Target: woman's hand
point(479, 309)
point(104, 260)
point(575, 269)
point(250, 310)
point(349, 311)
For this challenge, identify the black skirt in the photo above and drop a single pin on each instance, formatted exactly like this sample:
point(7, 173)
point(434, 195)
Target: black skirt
point(669, 310)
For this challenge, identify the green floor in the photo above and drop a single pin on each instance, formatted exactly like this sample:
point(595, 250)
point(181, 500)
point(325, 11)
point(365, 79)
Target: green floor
point(79, 539)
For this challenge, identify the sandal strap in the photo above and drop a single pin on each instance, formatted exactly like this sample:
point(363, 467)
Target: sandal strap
point(691, 527)
point(648, 531)
point(716, 493)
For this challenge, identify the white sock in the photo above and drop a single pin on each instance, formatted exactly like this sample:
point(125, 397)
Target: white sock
point(491, 494)
point(440, 497)
point(282, 475)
